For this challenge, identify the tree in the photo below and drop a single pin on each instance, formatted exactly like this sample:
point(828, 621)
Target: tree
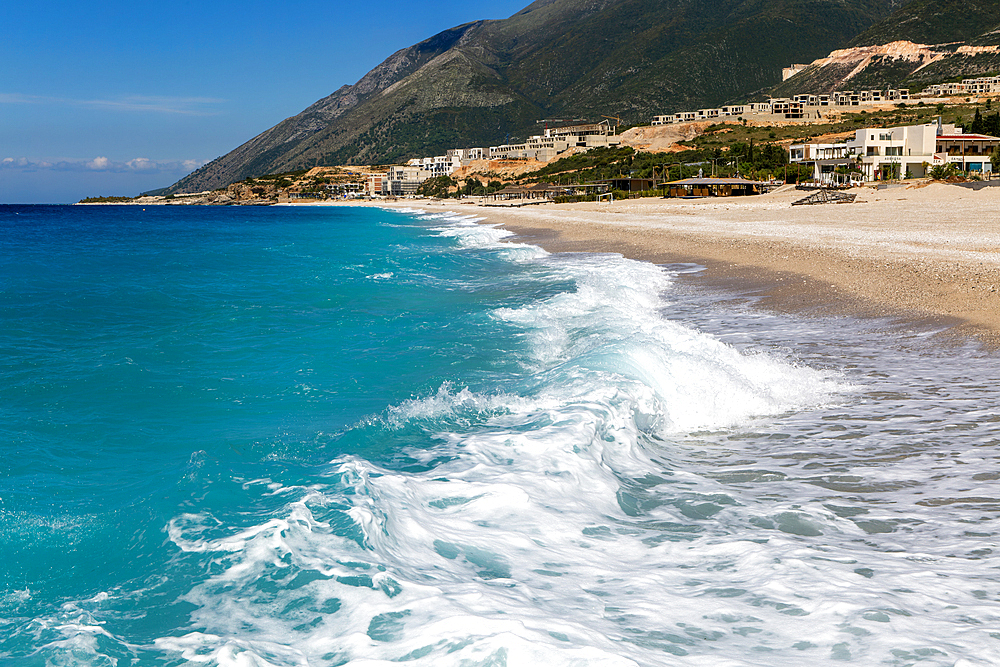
point(991, 124)
point(472, 186)
point(439, 186)
point(995, 158)
point(977, 123)
point(943, 171)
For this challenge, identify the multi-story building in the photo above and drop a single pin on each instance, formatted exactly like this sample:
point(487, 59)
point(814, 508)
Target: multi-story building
point(403, 181)
point(824, 158)
point(900, 152)
point(790, 108)
point(467, 155)
point(897, 152)
point(969, 152)
point(375, 185)
point(556, 141)
point(984, 85)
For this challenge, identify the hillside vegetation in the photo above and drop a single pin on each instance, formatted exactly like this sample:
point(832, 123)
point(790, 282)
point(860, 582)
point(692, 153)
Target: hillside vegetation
point(921, 43)
point(477, 84)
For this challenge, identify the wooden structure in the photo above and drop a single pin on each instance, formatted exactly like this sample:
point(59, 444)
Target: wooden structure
point(630, 184)
point(826, 196)
point(713, 187)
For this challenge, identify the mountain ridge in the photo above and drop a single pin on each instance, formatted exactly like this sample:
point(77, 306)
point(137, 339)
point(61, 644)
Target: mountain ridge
point(475, 84)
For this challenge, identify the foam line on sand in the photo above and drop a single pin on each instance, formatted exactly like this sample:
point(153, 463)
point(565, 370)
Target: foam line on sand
point(917, 252)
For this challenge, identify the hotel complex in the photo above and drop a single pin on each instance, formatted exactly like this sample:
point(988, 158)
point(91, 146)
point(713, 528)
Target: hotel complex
point(873, 154)
point(898, 152)
point(551, 145)
point(797, 107)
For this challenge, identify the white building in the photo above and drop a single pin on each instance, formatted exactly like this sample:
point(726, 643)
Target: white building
point(912, 150)
point(983, 85)
point(555, 141)
point(824, 158)
point(467, 155)
point(899, 152)
point(403, 181)
point(439, 165)
point(796, 107)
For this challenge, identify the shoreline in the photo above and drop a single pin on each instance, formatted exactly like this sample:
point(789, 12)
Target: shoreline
point(927, 255)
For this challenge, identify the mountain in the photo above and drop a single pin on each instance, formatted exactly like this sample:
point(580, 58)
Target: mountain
point(936, 22)
point(478, 83)
point(921, 43)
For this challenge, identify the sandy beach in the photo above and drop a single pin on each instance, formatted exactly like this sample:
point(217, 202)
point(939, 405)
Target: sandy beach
point(929, 252)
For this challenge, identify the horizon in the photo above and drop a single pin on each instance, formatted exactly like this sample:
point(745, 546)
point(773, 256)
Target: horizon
point(117, 99)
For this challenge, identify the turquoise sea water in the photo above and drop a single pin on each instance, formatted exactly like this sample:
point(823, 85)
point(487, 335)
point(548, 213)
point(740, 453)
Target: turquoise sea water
point(329, 436)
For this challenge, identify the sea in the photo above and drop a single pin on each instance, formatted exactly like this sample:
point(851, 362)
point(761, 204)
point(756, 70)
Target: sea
point(322, 436)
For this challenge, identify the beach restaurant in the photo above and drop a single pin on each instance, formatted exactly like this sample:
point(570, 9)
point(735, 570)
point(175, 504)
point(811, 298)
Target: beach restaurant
point(531, 192)
point(712, 187)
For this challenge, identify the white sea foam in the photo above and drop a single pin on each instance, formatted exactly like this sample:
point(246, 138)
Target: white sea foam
point(644, 494)
point(522, 544)
point(613, 325)
point(470, 234)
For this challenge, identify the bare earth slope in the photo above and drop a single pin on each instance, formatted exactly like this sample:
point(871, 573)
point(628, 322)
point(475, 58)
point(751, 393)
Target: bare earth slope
point(924, 41)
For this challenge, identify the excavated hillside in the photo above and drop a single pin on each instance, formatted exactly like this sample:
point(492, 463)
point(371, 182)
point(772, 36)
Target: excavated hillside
point(921, 43)
point(899, 64)
point(477, 84)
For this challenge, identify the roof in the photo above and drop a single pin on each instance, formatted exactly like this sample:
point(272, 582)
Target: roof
point(714, 181)
point(623, 178)
point(971, 137)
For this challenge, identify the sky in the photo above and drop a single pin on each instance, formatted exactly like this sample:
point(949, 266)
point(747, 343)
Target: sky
point(117, 98)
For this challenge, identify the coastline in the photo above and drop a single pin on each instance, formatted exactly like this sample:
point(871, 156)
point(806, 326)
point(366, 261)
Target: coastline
point(921, 254)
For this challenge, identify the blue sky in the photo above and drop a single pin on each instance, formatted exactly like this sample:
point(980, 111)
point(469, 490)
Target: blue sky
point(115, 98)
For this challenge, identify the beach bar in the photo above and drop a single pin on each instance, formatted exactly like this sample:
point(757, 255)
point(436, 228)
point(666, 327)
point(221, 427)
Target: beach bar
point(712, 187)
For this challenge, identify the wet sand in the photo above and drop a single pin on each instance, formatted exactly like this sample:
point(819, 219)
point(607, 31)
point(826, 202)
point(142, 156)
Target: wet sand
point(923, 254)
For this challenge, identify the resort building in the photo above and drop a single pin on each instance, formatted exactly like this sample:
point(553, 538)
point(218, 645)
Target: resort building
point(970, 152)
point(403, 181)
point(899, 152)
point(797, 107)
point(555, 141)
point(984, 85)
point(375, 184)
point(467, 155)
point(440, 165)
point(824, 158)
point(911, 151)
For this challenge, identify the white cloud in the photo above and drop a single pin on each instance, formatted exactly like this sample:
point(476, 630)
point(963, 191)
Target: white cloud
point(102, 163)
point(141, 164)
point(188, 106)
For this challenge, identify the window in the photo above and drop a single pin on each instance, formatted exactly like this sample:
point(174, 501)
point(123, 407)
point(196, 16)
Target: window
point(894, 150)
point(872, 150)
